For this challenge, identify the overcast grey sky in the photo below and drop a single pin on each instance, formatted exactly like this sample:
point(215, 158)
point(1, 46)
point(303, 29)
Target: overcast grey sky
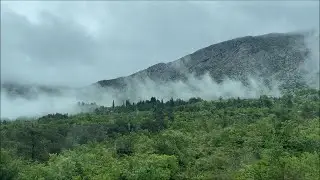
point(78, 43)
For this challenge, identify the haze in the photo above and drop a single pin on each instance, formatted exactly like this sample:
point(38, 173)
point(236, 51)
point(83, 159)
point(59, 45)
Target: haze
point(78, 43)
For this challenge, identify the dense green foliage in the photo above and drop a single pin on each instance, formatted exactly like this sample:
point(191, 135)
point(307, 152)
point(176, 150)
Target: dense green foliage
point(265, 138)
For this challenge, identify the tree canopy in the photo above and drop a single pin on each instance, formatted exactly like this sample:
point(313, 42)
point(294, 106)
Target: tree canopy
point(264, 138)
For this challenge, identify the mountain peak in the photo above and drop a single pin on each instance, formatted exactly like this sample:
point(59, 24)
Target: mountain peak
point(266, 55)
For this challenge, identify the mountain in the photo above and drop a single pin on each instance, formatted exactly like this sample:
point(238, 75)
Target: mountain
point(271, 56)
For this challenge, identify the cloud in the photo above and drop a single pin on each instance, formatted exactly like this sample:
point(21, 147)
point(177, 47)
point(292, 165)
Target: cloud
point(78, 43)
point(137, 90)
point(44, 104)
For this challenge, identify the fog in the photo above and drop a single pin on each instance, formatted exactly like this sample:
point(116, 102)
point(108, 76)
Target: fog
point(204, 87)
point(311, 65)
point(48, 44)
point(44, 104)
point(137, 90)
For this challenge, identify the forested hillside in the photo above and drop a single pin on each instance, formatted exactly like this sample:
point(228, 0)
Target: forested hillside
point(265, 139)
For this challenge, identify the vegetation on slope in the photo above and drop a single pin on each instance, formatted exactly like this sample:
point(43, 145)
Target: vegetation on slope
point(264, 138)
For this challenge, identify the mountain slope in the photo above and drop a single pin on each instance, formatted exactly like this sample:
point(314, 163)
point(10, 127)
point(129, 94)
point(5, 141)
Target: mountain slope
point(276, 55)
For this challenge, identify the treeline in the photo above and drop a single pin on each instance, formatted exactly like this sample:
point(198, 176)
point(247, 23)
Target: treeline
point(36, 139)
point(182, 105)
point(263, 138)
point(144, 105)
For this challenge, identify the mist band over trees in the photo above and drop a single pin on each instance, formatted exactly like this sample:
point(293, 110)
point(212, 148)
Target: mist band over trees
point(184, 80)
point(160, 90)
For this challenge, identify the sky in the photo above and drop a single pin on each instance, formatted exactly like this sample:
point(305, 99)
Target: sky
point(77, 43)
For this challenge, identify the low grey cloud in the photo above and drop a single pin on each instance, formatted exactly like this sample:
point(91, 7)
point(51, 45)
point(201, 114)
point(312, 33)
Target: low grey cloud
point(78, 43)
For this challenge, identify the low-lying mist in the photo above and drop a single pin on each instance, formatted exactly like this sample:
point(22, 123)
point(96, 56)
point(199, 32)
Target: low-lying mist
point(14, 107)
point(203, 87)
point(137, 90)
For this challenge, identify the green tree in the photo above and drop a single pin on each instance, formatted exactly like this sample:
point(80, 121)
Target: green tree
point(9, 167)
point(159, 116)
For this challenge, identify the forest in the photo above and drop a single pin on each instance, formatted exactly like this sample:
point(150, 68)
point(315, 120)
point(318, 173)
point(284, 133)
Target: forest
point(267, 138)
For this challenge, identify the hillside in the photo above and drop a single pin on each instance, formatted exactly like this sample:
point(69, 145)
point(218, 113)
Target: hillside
point(264, 138)
point(271, 56)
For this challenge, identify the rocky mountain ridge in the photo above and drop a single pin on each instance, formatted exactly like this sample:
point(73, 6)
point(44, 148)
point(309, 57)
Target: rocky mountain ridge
point(275, 55)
